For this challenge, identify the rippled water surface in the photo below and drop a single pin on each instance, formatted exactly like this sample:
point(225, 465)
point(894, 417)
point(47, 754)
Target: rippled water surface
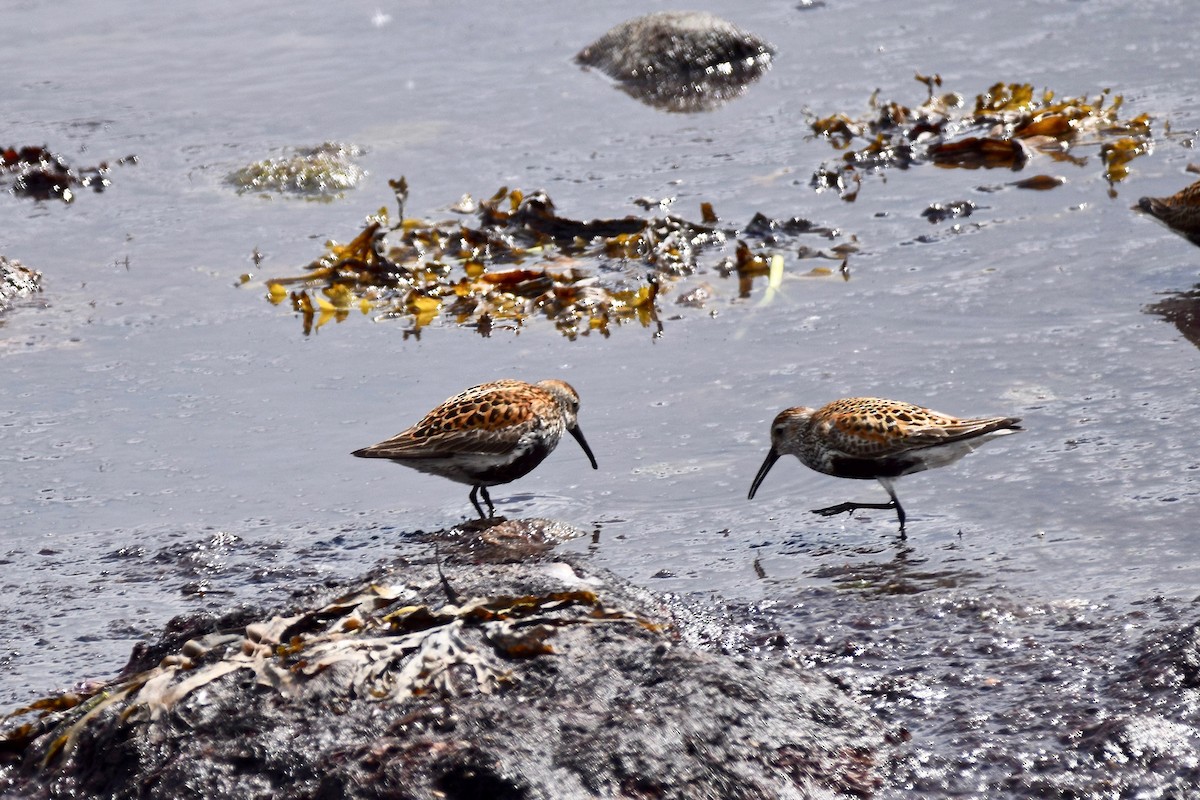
point(171, 442)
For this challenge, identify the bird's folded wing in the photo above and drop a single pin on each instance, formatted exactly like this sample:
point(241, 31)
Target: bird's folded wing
point(955, 431)
point(405, 445)
point(856, 440)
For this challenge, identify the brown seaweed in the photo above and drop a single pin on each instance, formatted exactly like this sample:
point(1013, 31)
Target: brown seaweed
point(375, 644)
point(521, 259)
point(1007, 124)
point(41, 174)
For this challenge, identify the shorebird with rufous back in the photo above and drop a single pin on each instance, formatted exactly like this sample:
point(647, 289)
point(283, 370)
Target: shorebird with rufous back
point(490, 434)
point(873, 438)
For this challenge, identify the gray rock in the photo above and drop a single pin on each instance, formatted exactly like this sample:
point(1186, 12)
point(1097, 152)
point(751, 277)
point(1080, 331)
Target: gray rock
point(684, 61)
point(554, 681)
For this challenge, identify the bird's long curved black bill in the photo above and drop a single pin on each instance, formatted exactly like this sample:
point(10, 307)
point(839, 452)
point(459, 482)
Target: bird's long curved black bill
point(578, 434)
point(772, 457)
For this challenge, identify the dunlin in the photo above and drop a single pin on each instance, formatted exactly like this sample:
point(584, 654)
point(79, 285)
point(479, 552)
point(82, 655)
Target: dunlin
point(868, 437)
point(490, 434)
point(1180, 212)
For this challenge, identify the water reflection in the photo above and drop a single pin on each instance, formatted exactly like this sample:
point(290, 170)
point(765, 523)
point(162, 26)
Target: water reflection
point(883, 568)
point(1183, 310)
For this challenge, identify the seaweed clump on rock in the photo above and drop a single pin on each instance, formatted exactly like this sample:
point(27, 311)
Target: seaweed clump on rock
point(683, 61)
point(551, 681)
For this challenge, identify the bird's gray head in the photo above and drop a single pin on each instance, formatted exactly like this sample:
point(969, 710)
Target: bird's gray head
point(787, 431)
point(568, 400)
point(787, 436)
point(566, 397)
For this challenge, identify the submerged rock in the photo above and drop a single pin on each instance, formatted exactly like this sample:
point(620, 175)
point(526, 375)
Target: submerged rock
point(553, 681)
point(17, 281)
point(683, 61)
point(321, 172)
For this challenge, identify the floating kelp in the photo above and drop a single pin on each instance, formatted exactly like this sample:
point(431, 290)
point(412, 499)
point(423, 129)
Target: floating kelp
point(522, 260)
point(1008, 124)
point(322, 173)
point(1040, 183)
point(17, 281)
point(1180, 212)
point(683, 61)
point(41, 174)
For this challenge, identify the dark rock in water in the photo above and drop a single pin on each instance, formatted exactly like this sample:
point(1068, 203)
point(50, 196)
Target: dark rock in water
point(938, 212)
point(679, 60)
point(554, 681)
point(17, 281)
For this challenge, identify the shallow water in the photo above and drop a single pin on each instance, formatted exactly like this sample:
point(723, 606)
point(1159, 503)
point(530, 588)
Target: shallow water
point(171, 442)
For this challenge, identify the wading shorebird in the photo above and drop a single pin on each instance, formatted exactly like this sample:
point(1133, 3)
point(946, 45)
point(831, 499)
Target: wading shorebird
point(490, 434)
point(869, 437)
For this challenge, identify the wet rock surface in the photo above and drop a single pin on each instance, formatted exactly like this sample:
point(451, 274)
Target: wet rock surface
point(555, 681)
point(992, 697)
point(500, 540)
point(892, 685)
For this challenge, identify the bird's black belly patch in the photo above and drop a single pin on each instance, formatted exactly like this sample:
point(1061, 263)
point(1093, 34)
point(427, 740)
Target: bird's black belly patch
point(871, 468)
point(520, 466)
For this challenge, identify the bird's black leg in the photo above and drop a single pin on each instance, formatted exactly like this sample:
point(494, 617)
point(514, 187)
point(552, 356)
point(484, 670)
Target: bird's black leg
point(475, 500)
point(900, 515)
point(842, 508)
point(487, 499)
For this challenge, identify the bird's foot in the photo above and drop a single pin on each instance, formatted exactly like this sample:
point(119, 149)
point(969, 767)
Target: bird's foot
point(850, 508)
